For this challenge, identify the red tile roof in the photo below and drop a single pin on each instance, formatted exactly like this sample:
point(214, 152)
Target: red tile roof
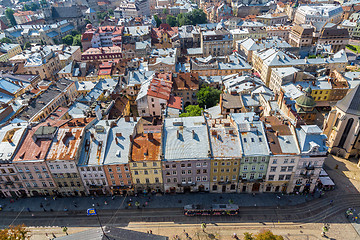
point(160, 86)
point(175, 102)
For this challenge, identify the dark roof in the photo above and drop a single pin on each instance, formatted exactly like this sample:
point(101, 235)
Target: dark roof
point(112, 233)
point(351, 102)
point(66, 12)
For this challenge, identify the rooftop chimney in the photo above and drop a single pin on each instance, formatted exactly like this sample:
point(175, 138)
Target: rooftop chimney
point(150, 136)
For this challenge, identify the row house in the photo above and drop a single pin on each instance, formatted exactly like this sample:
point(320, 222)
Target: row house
point(91, 161)
point(313, 152)
point(63, 156)
point(256, 152)
point(117, 155)
point(226, 154)
point(145, 162)
point(284, 156)
point(30, 160)
point(11, 138)
point(186, 155)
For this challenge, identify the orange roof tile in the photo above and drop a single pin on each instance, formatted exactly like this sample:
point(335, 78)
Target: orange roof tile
point(175, 102)
point(147, 147)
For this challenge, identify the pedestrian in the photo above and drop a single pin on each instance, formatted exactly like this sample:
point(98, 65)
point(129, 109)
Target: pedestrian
point(28, 209)
point(147, 232)
point(113, 197)
point(150, 231)
point(203, 226)
point(105, 202)
point(53, 235)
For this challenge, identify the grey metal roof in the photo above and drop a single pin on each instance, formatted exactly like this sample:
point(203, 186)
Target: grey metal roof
point(185, 138)
point(351, 102)
point(252, 134)
point(118, 142)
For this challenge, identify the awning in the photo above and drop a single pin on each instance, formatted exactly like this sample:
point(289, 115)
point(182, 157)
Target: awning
point(326, 181)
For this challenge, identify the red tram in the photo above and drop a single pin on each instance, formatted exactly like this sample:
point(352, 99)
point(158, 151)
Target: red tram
point(214, 209)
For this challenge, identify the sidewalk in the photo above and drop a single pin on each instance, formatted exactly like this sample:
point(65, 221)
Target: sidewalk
point(151, 201)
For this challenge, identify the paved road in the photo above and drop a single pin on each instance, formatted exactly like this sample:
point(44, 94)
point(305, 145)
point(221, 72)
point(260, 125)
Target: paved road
point(315, 211)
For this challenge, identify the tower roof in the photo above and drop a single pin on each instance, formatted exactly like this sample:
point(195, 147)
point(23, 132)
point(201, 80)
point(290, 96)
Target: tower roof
point(351, 102)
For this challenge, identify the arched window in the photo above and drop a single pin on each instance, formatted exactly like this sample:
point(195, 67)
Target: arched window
point(346, 132)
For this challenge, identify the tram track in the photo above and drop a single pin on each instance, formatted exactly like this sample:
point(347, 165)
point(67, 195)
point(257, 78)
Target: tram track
point(310, 212)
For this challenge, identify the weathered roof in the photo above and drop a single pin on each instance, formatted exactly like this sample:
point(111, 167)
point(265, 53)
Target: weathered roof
point(224, 139)
point(146, 147)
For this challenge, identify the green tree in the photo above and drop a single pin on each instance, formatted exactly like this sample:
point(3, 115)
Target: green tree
point(248, 236)
point(208, 96)
point(68, 40)
point(111, 12)
point(87, 21)
point(157, 20)
point(74, 33)
point(5, 40)
point(262, 235)
point(9, 13)
point(171, 20)
point(77, 40)
point(101, 15)
point(165, 11)
point(15, 232)
point(27, 45)
point(192, 110)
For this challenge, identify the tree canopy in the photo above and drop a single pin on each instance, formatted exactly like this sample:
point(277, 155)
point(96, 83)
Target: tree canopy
point(5, 40)
point(72, 40)
point(192, 110)
point(262, 235)
point(208, 96)
point(196, 16)
point(171, 20)
point(68, 40)
point(157, 20)
point(32, 6)
point(15, 232)
point(9, 13)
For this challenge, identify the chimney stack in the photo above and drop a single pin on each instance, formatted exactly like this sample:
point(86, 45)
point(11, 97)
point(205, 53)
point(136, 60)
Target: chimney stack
point(150, 136)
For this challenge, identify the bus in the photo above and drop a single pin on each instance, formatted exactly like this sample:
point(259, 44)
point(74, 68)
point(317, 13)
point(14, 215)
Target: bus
point(214, 209)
